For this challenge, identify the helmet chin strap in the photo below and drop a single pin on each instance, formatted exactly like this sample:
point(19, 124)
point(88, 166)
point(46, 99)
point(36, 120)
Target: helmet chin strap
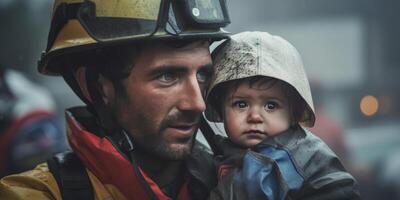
point(109, 126)
point(98, 106)
point(84, 82)
point(111, 129)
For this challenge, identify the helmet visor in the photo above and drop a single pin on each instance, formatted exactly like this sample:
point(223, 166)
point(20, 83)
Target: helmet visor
point(111, 19)
point(108, 20)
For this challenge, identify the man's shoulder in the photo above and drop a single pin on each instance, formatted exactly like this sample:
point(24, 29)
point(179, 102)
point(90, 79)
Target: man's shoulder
point(38, 177)
point(38, 183)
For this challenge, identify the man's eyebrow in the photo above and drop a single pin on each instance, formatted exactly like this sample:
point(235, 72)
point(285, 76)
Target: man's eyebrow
point(169, 68)
point(180, 69)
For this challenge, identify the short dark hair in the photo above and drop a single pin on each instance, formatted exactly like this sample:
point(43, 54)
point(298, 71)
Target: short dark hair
point(112, 62)
point(115, 63)
point(219, 94)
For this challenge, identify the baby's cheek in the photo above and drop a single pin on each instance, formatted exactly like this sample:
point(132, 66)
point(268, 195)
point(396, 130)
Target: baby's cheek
point(277, 127)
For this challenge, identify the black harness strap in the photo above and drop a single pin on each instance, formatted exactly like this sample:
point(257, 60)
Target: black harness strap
point(209, 135)
point(71, 176)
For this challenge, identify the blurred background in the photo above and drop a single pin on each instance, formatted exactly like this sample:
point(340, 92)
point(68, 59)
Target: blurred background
point(350, 50)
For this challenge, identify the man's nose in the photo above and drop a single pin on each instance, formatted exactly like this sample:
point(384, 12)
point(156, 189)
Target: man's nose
point(254, 115)
point(192, 98)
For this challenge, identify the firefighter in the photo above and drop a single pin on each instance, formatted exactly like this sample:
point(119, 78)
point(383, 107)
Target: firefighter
point(142, 68)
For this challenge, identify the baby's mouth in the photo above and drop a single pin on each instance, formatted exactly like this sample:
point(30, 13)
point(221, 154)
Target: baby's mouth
point(254, 132)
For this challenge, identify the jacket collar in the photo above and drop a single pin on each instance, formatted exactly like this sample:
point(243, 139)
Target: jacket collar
point(106, 162)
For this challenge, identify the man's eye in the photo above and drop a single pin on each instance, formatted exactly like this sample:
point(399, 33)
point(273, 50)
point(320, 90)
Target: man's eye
point(270, 106)
point(240, 104)
point(202, 76)
point(167, 77)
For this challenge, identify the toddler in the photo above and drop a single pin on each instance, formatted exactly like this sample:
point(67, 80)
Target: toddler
point(261, 93)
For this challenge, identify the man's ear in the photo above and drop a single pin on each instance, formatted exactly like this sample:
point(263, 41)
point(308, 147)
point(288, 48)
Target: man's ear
point(106, 89)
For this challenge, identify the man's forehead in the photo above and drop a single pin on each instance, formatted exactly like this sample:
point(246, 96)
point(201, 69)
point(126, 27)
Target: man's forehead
point(193, 55)
point(197, 51)
point(176, 44)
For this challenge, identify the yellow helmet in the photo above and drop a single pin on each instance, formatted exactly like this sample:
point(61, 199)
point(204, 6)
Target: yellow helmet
point(82, 25)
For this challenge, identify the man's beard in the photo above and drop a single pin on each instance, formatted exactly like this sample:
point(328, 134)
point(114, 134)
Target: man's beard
point(165, 151)
point(152, 141)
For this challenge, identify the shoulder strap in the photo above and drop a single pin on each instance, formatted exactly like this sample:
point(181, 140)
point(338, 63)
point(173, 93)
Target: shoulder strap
point(71, 176)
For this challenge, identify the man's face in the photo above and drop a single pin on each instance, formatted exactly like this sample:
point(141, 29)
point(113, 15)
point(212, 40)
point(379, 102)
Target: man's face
point(252, 114)
point(163, 98)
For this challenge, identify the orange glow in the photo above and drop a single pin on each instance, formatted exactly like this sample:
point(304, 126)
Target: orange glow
point(369, 105)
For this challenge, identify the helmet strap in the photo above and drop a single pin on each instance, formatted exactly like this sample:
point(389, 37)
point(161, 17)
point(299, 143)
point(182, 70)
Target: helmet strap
point(85, 85)
point(98, 106)
point(70, 79)
point(114, 132)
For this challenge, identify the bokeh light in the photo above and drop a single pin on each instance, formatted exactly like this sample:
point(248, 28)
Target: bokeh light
point(369, 105)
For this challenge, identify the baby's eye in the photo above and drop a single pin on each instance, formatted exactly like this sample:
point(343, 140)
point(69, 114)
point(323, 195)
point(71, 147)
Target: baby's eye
point(270, 106)
point(240, 104)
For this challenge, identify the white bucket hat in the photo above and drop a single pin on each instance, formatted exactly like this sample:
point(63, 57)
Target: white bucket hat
point(249, 54)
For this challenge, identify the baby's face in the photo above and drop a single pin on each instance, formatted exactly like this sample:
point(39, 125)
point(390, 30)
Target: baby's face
point(252, 114)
